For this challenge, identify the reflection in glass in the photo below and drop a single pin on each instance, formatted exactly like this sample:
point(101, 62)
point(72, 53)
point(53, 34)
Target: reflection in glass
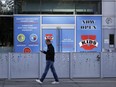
point(6, 6)
point(6, 31)
point(58, 6)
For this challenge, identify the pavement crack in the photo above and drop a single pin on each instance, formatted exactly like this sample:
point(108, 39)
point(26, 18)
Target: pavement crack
point(75, 83)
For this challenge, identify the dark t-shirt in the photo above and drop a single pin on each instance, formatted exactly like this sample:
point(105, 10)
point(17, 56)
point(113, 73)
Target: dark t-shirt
point(50, 52)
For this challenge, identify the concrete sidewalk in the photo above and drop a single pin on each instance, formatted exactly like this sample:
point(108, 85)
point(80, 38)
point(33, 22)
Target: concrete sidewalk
point(108, 82)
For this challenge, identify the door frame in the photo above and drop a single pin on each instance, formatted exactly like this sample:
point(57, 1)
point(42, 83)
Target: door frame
point(57, 26)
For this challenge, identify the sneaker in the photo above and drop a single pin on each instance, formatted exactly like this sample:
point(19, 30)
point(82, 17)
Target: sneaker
point(55, 82)
point(38, 81)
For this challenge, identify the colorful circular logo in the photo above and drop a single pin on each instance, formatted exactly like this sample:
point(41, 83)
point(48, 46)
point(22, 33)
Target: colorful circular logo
point(49, 36)
point(33, 37)
point(27, 50)
point(21, 37)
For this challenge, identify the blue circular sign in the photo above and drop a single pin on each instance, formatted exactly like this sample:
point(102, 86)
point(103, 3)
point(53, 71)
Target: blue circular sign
point(33, 37)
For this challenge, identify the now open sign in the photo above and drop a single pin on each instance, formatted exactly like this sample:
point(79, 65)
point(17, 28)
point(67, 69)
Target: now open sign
point(89, 33)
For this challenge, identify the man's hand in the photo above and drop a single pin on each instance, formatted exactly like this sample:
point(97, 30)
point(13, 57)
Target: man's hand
point(43, 51)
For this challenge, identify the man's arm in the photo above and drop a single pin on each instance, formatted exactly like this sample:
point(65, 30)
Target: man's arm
point(44, 52)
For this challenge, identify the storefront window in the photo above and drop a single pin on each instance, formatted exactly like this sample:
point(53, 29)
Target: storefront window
point(88, 7)
point(58, 6)
point(27, 6)
point(6, 31)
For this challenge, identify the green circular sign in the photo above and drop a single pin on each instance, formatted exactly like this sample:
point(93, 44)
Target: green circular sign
point(21, 37)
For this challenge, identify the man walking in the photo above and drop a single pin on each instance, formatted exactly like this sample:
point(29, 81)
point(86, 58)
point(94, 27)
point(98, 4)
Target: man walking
point(49, 63)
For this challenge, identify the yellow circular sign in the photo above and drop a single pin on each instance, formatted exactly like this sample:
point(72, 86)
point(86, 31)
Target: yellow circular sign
point(21, 37)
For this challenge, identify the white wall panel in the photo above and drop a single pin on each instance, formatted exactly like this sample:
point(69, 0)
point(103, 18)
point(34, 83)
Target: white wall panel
point(108, 8)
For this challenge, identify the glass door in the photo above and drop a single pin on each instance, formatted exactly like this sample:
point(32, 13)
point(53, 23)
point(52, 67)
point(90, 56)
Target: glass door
point(63, 39)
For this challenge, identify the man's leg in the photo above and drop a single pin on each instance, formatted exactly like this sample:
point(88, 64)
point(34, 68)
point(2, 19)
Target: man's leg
point(54, 72)
point(48, 64)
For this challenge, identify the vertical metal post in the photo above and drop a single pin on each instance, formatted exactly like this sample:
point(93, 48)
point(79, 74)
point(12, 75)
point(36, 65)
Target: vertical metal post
point(70, 66)
point(58, 39)
point(75, 46)
point(9, 67)
point(40, 4)
point(115, 25)
point(40, 46)
point(39, 66)
point(101, 68)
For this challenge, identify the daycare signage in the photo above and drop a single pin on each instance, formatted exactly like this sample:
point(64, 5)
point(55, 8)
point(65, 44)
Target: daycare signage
point(89, 33)
point(49, 36)
point(26, 34)
point(88, 42)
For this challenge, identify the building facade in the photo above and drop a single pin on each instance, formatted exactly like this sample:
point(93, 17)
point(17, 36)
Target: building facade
point(83, 33)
